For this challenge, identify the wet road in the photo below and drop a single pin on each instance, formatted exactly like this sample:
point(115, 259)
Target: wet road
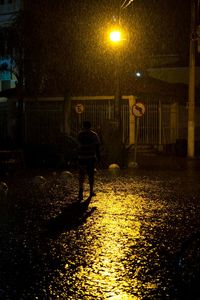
point(126, 245)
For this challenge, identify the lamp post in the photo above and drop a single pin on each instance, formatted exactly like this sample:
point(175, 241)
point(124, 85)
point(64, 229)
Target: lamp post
point(112, 130)
point(191, 101)
point(116, 39)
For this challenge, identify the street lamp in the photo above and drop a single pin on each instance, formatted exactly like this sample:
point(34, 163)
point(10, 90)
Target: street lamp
point(115, 36)
point(191, 100)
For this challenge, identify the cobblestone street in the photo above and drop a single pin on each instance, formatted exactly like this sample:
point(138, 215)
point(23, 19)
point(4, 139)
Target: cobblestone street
point(122, 245)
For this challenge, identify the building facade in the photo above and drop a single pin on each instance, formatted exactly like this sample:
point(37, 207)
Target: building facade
point(8, 10)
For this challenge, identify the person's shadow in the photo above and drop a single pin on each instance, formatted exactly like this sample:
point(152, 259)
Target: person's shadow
point(71, 217)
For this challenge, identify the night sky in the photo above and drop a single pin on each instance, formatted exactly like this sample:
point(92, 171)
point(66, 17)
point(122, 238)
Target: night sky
point(78, 38)
point(159, 28)
point(155, 27)
point(162, 26)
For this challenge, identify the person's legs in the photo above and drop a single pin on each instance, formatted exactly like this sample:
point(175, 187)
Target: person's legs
point(90, 172)
point(81, 180)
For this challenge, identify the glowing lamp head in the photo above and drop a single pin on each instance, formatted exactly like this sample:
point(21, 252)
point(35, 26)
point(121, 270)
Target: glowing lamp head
point(138, 74)
point(115, 36)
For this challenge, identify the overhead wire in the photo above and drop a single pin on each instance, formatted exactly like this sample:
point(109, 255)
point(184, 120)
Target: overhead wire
point(125, 5)
point(124, 2)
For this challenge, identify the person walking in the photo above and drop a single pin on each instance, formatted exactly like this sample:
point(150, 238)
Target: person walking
point(88, 155)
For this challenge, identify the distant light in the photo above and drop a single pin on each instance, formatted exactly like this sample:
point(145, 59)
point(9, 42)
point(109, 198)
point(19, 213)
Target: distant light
point(138, 74)
point(115, 36)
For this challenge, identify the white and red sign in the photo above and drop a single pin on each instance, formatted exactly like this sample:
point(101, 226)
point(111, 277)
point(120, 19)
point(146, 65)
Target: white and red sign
point(138, 109)
point(79, 108)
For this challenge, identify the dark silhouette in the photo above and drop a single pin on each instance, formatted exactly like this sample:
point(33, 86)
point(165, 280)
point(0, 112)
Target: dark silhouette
point(88, 155)
point(71, 216)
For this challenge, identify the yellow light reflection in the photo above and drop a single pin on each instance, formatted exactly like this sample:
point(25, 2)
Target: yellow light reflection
point(124, 296)
point(106, 244)
point(109, 247)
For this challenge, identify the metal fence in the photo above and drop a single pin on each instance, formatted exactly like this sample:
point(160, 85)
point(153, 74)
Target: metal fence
point(42, 122)
point(163, 122)
point(3, 119)
point(99, 111)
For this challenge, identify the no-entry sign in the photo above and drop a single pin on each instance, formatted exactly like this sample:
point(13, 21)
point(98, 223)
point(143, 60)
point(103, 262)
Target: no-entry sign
point(79, 108)
point(138, 109)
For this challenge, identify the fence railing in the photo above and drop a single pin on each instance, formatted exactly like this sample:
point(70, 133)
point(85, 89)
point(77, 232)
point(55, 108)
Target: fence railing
point(44, 119)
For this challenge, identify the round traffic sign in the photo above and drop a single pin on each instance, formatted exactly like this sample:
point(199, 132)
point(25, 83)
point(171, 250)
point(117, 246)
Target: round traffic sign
point(138, 109)
point(79, 108)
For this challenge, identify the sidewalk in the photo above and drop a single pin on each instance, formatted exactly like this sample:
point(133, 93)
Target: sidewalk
point(166, 162)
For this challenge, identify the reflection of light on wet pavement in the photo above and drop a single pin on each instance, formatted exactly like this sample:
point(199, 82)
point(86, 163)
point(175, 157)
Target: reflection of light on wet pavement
point(136, 240)
point(114, 227)
point(109, 257)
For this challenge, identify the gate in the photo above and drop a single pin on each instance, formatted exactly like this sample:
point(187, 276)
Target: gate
point(98, 110)
point(163, 123)
point(43, 121)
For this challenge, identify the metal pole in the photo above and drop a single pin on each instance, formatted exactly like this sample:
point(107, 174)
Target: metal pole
point(136, 138)
point(117, 89)
point(117, 106)
point(67, 114)
point(191, 100)
point(160, 124)
point(132, 101)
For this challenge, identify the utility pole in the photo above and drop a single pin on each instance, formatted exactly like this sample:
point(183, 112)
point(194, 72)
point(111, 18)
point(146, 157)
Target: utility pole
point(191, 100)
point(117, 97)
